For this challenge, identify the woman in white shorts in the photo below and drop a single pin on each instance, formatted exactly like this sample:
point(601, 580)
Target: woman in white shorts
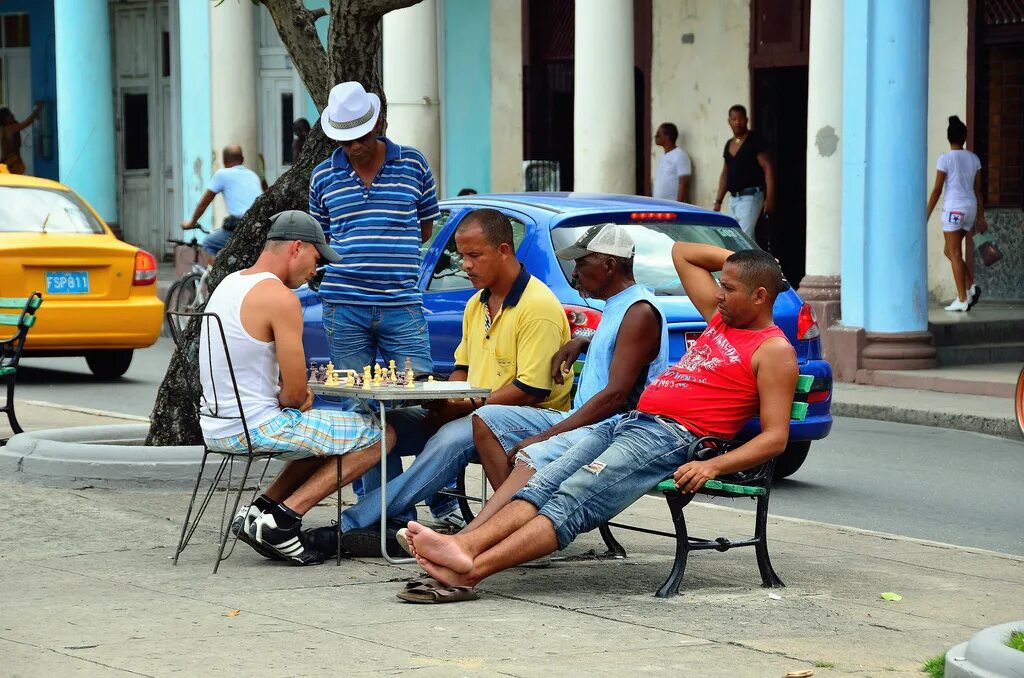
point(958, 172)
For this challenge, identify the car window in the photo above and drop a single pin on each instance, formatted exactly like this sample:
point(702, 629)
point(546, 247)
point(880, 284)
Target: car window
point(652, 263)
point(38, 210)
point(435, 231)
point(448, 273)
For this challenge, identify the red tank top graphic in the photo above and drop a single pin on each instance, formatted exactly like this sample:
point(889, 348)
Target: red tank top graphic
point(712, 389)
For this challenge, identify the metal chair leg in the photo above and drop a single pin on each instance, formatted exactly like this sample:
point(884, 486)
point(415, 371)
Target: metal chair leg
point(676, 502)
point(764, 562)
point(615, 549)
point(460, 488)
point(188, 513)
point(339, 509)
point(238, 498)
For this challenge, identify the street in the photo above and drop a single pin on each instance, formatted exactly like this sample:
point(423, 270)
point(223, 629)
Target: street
point(928, 483)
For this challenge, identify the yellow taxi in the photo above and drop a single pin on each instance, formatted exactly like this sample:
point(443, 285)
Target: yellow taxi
point(99, 293)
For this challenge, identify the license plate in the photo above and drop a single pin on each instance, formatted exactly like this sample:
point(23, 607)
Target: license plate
point(67, 282)
point(691, 337)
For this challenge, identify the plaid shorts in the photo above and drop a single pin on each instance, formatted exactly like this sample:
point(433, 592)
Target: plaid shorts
point(300, 435)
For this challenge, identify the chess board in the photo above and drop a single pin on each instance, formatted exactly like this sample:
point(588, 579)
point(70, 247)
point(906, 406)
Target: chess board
point(386, 384)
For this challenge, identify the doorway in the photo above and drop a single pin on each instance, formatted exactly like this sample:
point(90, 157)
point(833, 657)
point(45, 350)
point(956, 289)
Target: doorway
point(16, 77)
point(780, 116)
point(144, 104)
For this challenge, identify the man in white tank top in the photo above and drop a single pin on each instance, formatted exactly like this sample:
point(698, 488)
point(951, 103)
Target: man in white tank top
point(262, 321)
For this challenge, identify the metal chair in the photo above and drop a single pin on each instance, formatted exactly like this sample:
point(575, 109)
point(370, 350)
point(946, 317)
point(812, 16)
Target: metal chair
point(212, 323)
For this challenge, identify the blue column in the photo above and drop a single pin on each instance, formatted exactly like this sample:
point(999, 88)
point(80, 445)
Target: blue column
point(85, 105)
point(312, 112)
point(466, 97)
point(885, 108)
point(196, 125)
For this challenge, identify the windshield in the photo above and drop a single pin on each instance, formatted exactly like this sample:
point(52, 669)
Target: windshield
point(652, 263)
point(25, 210)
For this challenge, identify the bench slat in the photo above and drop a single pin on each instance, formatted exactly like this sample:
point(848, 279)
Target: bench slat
point(798, 411)
point(15, 319)
point(718, 485)
point(804, 383)
point(19, 303)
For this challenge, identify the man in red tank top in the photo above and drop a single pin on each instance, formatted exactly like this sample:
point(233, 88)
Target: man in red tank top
point(741, 366)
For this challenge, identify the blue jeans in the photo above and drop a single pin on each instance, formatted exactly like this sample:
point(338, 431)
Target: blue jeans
point(638, 451)
point(511, 424)
point(355, 335)
point(216, 241)
point(439, 459)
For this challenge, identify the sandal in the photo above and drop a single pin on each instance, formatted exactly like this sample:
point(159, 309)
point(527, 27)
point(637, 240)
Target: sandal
point(425, 580)
point(426, 594)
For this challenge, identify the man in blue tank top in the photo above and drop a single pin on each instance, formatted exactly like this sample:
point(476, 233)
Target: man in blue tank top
point(628, 350)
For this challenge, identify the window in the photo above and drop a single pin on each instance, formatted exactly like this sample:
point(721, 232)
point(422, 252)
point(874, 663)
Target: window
point(287, 128)
point(438, 227)
point(135, 121)
point(448, 273)
point(651, 265)
point(35, 210)
point(14, 30)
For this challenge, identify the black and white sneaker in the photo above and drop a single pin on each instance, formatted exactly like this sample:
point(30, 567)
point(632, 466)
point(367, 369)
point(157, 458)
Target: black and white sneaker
point(240, 526)
point(286, 544)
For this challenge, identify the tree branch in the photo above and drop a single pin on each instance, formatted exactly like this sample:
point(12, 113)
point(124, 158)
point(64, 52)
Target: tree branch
point(296, 26)
point(378, 8)
point(318, 13)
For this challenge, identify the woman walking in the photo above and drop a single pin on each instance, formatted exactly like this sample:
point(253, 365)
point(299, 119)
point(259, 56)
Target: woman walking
point(959, 174)
point(10, 138)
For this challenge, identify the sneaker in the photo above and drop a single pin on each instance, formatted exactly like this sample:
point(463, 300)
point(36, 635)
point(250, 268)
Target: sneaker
point(287, 544)
point(958, 305)
point(452, 520)
point(366, 543)
point(973, 295)
point(240, 526)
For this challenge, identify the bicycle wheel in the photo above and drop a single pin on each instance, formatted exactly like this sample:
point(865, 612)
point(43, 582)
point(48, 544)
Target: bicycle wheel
point(171, 304)
point(1018, 404)
point(185, 299)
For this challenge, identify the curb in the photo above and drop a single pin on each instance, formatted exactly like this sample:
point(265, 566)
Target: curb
point(1003, 427)
point(108, 456)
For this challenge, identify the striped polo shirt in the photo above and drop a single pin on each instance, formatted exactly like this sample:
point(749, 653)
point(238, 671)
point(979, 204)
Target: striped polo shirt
point(375, 229)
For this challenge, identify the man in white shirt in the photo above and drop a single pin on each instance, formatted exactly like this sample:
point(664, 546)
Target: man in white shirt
point(240, 187)
point(672, 178)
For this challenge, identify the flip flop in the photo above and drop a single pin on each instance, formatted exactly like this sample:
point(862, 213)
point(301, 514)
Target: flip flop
point(433, 595)
point(403, 540)
point(425, 580)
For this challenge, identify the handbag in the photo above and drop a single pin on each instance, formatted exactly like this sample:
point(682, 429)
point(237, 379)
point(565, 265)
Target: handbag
point(987, 248)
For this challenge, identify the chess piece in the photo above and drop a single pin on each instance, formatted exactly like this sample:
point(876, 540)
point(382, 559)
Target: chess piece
point(366, 378)
point(350, 380)
point(430, 379)
point(410, 379)
point(332, 378)
point(408, 365)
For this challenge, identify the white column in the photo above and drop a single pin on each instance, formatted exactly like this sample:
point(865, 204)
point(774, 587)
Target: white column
point(824, 134)
point(603, 112)
point(410, 80)
point(821, 286)
point(233, 81)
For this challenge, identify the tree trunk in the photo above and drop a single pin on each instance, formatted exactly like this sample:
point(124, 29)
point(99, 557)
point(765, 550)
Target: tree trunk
point(354, 45)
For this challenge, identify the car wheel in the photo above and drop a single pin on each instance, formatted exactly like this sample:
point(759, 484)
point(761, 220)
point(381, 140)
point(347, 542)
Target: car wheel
point(787, 463)
point(109, 364)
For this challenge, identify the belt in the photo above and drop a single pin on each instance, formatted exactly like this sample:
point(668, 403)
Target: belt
point(753, 190)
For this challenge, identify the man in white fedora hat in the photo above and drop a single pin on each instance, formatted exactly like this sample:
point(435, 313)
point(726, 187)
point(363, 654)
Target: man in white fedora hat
point(376, 202)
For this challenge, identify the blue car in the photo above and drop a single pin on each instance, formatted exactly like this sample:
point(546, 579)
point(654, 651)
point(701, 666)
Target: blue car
point(545, 222)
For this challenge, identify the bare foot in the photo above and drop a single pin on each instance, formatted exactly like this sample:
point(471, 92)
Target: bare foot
point(442, 550)
point(445, 575)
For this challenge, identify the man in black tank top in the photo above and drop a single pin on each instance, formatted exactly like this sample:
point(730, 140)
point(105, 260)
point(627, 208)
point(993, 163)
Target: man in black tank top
point(747, 173)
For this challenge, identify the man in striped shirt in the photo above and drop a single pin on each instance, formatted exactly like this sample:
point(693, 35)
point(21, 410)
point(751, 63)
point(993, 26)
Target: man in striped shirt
point(376, 202)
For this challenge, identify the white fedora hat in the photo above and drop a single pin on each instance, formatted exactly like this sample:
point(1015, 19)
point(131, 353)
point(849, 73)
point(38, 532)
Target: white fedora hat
point(351, 112)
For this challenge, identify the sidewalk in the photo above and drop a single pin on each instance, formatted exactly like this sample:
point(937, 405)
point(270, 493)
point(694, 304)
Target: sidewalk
point(97, 595)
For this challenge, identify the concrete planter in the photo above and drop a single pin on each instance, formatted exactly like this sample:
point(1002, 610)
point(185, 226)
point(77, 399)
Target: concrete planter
point(986, 655)
point(100, 456)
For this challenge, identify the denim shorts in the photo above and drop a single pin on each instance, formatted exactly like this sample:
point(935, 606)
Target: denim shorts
point(512, 424)
point(609, 469)
point(300, 435)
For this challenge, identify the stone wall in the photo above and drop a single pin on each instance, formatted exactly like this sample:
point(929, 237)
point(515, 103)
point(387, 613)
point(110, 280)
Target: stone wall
point(1004, 280)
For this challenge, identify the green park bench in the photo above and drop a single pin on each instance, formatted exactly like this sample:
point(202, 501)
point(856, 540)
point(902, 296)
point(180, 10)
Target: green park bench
point(19, 313)
point(755, 484)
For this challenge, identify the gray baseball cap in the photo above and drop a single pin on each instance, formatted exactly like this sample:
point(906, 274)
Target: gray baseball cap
point(603, 238)
point(297, 225)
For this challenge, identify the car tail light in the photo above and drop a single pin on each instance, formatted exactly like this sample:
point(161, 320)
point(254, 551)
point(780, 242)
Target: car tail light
point(821, 389)
point(807, 323)
point(582, 321)
point(145, 268)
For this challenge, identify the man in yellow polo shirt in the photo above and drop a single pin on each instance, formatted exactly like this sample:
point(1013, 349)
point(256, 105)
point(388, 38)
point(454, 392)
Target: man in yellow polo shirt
point(510, 330)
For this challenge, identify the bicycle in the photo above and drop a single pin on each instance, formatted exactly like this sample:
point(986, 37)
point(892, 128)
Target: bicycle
point(1018, 402)
point(189, 293)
